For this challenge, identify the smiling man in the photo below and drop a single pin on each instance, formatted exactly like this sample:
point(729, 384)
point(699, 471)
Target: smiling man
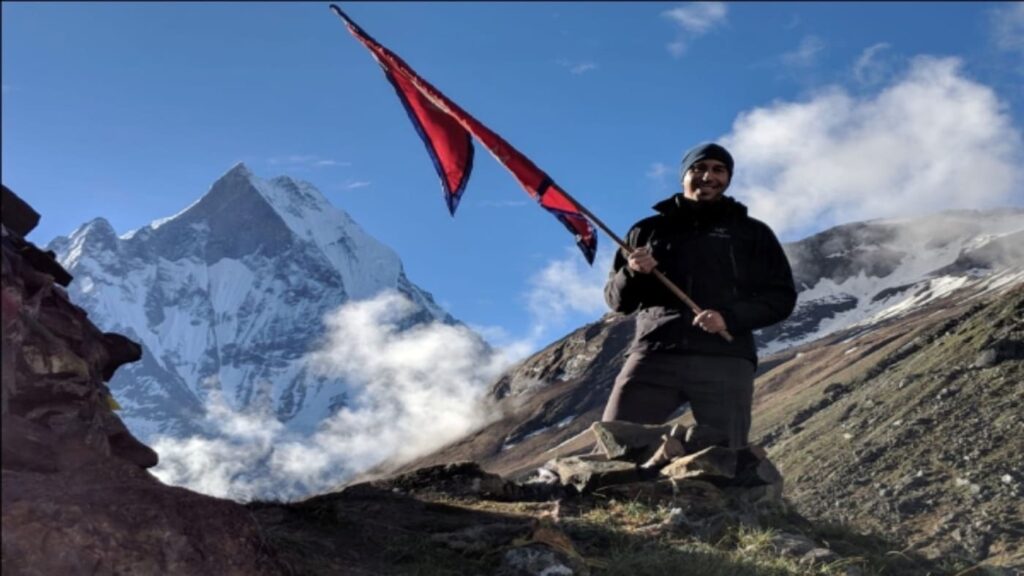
point(733, 267)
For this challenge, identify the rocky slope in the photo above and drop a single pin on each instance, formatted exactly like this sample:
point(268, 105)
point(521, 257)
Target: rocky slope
point(904, 430)
point(897, 422)
point(911, 430)
point(221, 296)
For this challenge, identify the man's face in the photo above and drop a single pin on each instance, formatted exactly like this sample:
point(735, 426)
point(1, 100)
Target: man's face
point(706, 180)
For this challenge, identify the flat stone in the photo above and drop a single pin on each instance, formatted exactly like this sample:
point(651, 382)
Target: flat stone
point(714, 463)
point(670, 449)
point(620, 439)
point(588, 473)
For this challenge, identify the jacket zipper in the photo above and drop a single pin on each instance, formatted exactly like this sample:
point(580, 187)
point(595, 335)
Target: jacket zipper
point(735, 271)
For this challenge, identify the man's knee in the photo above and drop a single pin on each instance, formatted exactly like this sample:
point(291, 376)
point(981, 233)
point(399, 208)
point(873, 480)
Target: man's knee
point(640, 402)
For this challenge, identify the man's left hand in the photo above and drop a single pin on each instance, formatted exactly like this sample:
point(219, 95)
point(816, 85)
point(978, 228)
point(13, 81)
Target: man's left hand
point(710, 321)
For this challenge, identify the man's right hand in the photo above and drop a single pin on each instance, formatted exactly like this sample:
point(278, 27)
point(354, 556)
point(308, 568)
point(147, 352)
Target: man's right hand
point(640, 260)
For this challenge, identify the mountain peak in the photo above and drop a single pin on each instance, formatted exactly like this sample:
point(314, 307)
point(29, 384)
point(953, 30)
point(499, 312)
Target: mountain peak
point(97, 226)
point(239, 169)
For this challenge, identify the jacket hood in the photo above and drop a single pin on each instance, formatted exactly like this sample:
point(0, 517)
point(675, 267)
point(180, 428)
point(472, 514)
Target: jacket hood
point(678, 206)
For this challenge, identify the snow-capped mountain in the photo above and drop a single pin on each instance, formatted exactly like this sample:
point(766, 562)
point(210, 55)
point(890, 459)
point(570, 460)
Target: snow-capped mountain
point(228, 295)
point(865, 272)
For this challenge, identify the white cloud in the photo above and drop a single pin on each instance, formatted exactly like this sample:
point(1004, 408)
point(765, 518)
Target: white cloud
point(932, 139)
point(577, 68)
point(356, 184)
point(869, 68)
point(413, 390)
point(693, 20)
point(303, 161)
point(1008, 27)
point(583, 67)
point(806, 54)
point(658, 171)
point(566, 293)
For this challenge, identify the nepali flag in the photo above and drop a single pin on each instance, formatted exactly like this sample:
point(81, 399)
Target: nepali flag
point(447, 131)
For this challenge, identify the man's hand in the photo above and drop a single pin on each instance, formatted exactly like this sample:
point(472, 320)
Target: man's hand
point(710, 321)
point(640, 260)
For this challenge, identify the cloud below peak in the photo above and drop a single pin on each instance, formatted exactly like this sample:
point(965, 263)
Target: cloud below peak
point(411, 390)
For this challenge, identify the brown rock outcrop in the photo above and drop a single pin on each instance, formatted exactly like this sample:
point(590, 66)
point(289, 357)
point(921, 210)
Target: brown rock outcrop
point(77, 498)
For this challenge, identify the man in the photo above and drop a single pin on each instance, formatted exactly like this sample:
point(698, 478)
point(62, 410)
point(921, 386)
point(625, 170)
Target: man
point(728, 263)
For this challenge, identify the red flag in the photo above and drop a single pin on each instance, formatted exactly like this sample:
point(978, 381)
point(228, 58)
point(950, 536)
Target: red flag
point(446, 128)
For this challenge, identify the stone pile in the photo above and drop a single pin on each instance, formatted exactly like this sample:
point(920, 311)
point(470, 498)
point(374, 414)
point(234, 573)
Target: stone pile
point(664, 461)
point(77, 498)
point(57, 410)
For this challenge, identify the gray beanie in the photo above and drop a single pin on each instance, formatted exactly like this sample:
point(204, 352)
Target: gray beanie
point(705, 151)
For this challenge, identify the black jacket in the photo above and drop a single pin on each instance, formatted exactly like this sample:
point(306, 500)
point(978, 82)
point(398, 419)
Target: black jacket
point(723, 259)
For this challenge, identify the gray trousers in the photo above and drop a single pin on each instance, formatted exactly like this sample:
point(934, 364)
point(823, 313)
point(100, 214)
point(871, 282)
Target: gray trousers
point(652, 385)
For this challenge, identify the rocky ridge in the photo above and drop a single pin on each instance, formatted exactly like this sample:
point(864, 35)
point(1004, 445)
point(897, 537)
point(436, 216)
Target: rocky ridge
point(76, 495)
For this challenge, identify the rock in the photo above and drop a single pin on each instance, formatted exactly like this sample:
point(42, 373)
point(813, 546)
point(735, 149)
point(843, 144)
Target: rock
point(792, 544)
point(1006, 349)
point(713, 464)
point(112, 517)
point(28, 446)
point(543, 484)
point(535, 560)
point(17, 215)
point(587, 473)
point(986, 358)
point(670, 449)
point(549, 552)
point(120, 351)
point(76, 497)
point(819, 556)
point(710, 529)
point(619, 439)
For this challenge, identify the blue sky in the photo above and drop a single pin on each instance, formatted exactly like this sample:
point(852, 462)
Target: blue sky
point(835, 112)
